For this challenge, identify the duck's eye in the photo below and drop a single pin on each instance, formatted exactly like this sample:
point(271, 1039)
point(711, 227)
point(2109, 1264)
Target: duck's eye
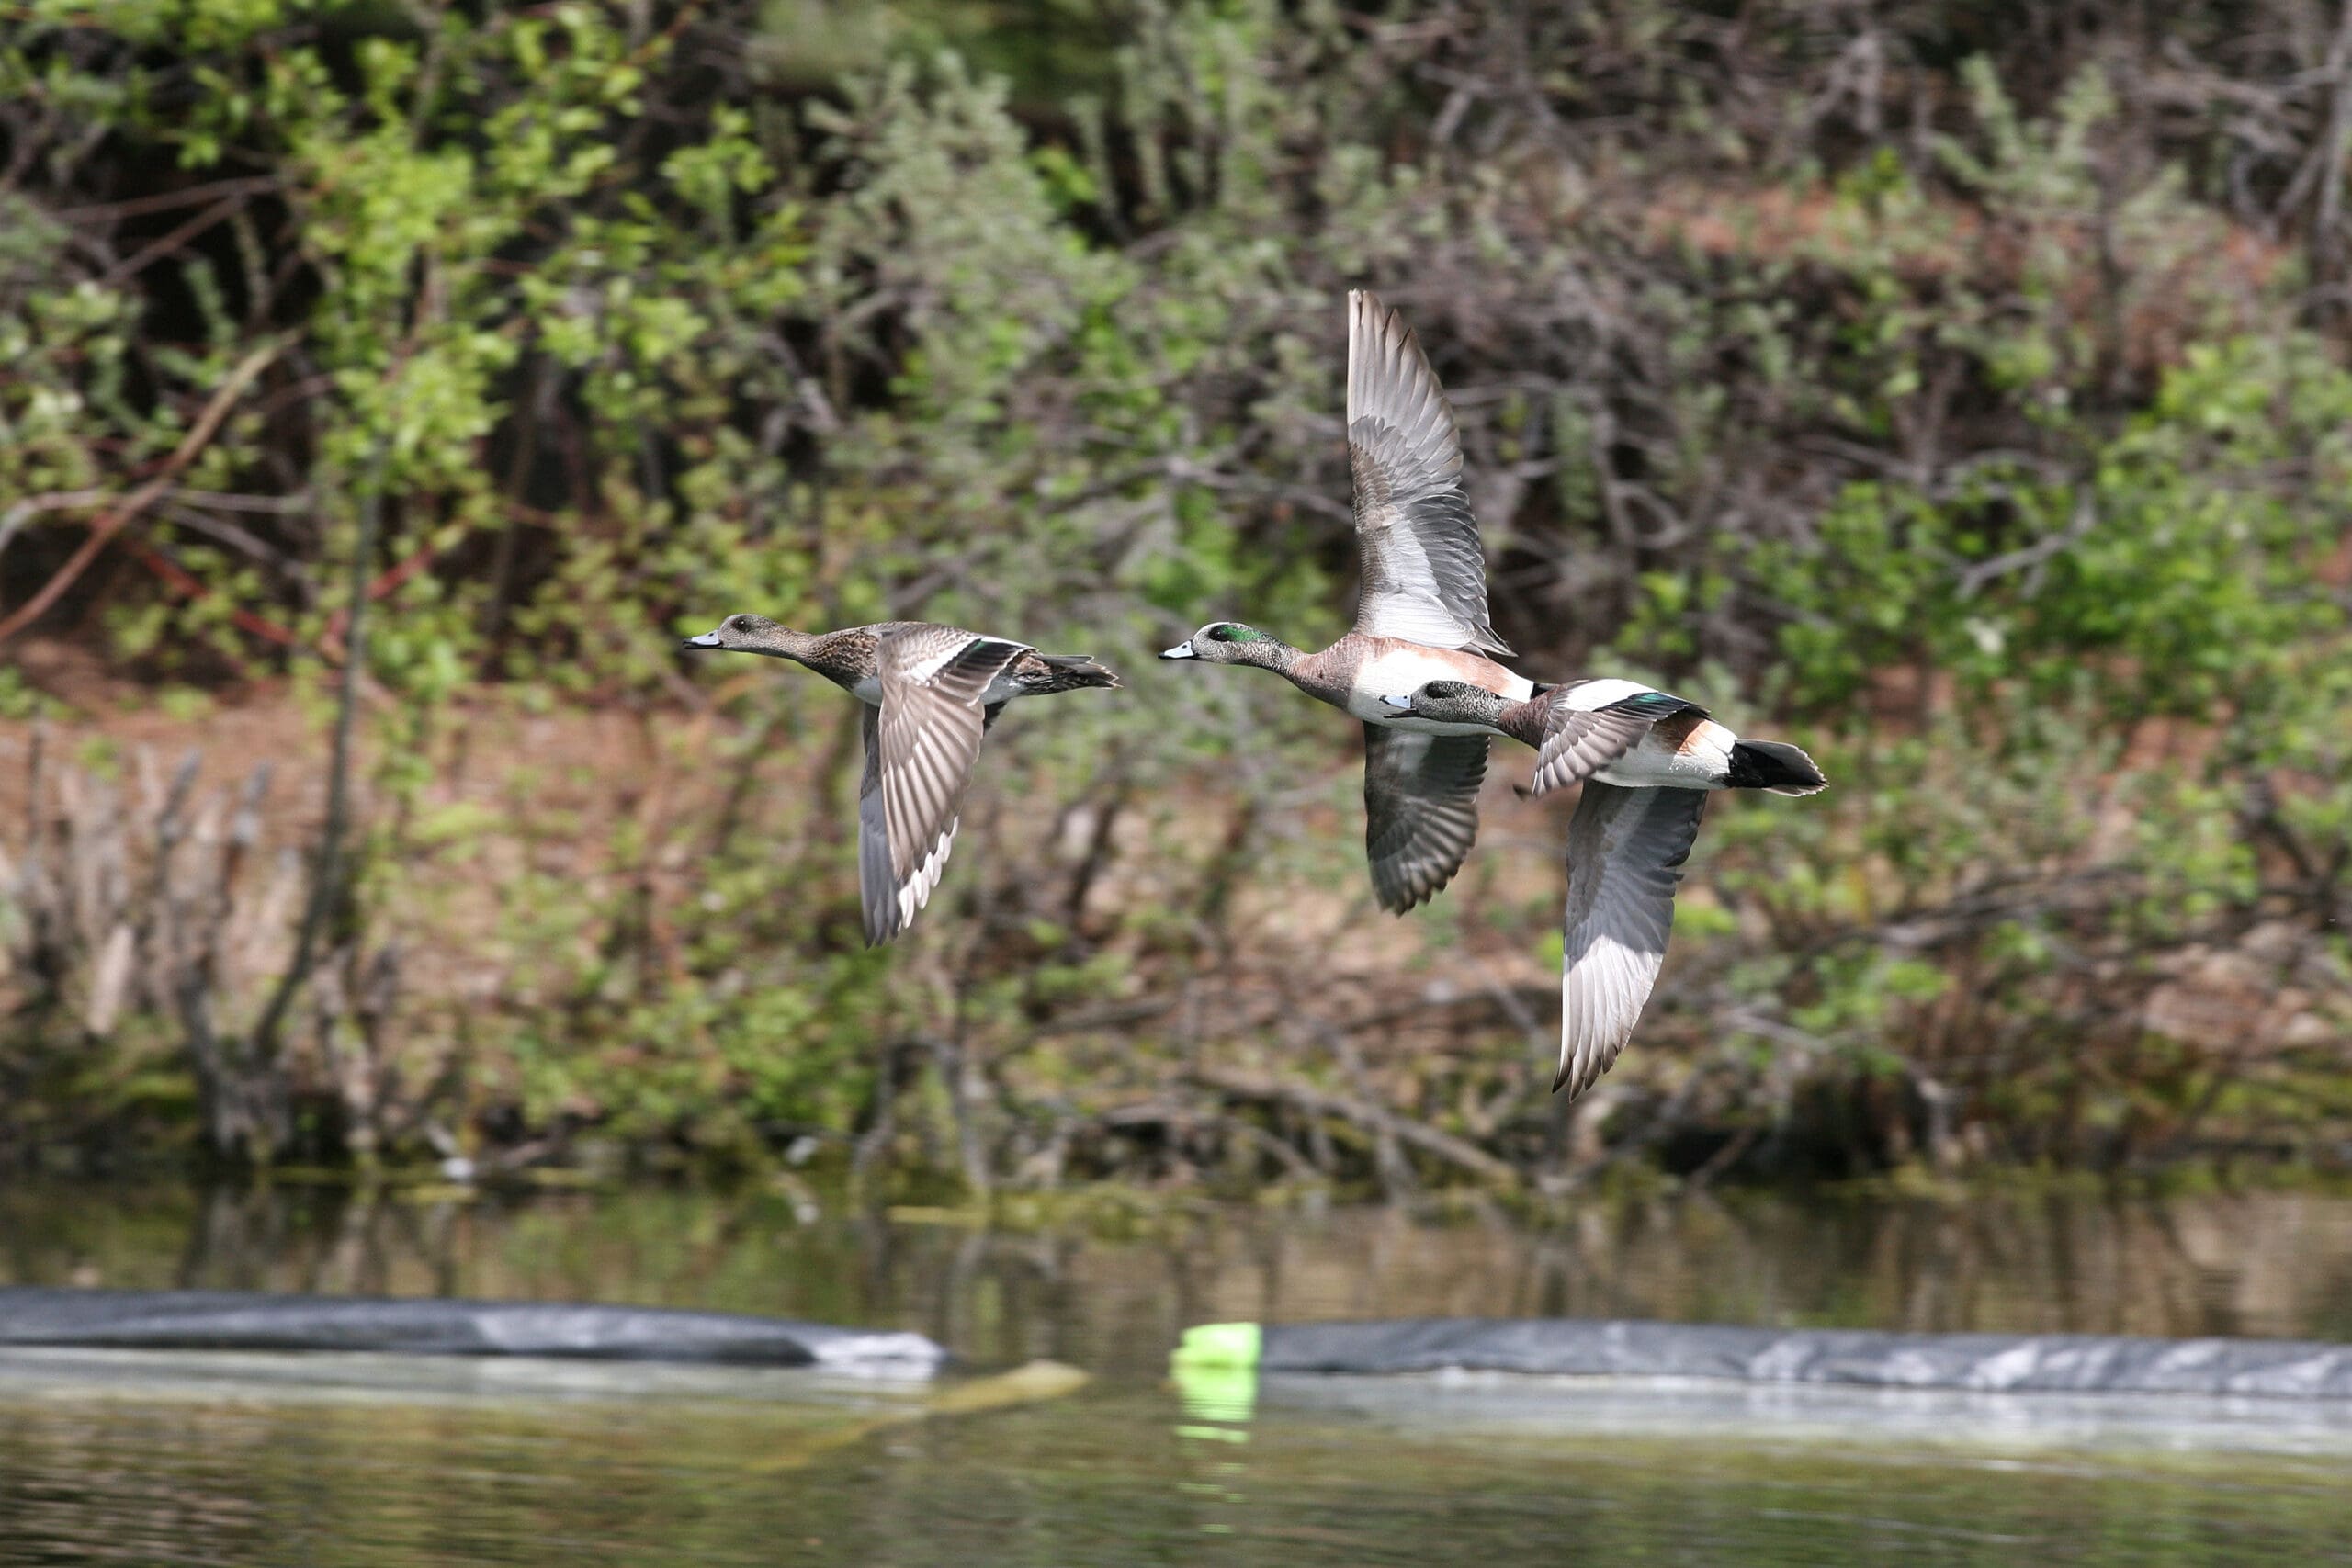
point(1220, 634)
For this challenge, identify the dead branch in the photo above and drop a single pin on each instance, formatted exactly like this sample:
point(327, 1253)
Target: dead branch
point(1312, 1101)
point(113, 523)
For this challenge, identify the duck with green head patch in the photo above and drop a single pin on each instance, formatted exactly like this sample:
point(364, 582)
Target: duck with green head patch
point(930, 692)
point(1421, 616)
point(1647, 761)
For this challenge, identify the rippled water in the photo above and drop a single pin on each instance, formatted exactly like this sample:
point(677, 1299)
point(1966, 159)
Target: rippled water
point(332, 1460)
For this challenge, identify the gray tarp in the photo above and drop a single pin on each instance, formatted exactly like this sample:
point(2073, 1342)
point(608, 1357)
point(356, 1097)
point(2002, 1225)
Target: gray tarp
point(236, 1320)
point(2075, 1363)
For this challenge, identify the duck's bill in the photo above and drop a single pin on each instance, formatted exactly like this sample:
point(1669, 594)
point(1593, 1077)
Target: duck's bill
point(707, 639)
point(1402, 705)
point(1181, 650)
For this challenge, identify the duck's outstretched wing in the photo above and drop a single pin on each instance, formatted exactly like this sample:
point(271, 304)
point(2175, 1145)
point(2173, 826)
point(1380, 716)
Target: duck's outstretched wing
point(1420, 809)
point(1424, 571)
point(1625, 852)
point(919, 749)
point(1589, 724)
point(1578, 745)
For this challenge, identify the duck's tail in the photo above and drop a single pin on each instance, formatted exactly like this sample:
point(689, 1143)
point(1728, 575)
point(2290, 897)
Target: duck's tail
point(1074, 670)
point(1770, 764)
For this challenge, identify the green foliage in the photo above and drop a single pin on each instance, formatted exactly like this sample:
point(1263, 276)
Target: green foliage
point(2174, 571)
point(1999, 458)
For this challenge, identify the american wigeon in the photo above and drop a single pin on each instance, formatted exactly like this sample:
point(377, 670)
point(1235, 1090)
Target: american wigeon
point(1647, 760)
point(1422, 615)
point(931, 691)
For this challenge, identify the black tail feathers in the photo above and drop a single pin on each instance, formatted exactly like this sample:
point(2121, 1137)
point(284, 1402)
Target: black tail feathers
point(1073, 670)
point(1770, 765)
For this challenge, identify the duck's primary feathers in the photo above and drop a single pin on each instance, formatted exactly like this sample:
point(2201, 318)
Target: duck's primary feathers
point(930, 692)
point(1422, 617)
point(1647, 760)
point(1424, 570)
point(1624, 858)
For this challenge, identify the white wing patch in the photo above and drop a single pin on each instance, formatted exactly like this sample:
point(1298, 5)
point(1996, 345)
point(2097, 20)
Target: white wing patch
point(918, 670)
point(1583, 696)
point(1625, 852)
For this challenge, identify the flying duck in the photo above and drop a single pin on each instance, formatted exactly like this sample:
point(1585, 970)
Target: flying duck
point(1422, 617)
point(1647, 760)
point(931, 691)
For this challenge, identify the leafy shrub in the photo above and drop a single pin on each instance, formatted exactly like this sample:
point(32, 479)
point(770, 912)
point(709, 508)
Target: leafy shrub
point(1960, 395)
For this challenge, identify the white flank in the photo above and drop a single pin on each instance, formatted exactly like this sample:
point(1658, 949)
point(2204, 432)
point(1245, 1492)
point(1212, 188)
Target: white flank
point(1710, 746)
point(1400, 673)
point(1703, 763)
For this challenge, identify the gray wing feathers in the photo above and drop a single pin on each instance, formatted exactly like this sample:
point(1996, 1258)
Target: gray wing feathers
point(1579, 743)
point(1424, 570)
point(928, 735)
point(873, 881)
point(1420, 806)
point(1625, 852)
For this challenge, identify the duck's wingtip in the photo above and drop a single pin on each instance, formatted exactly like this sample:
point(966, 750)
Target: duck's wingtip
point(1402, 901)
point(1580, 1070)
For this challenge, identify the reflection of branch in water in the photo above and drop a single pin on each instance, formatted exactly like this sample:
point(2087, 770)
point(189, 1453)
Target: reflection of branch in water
point(1033, 1383)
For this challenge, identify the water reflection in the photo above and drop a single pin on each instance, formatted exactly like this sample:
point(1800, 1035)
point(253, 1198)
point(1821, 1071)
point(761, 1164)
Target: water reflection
point(211, 1458)
point(2265, 1263)
point(1108, 1480)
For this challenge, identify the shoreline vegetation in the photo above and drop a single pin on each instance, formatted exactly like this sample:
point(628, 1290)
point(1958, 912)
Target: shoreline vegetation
point(1963, 399)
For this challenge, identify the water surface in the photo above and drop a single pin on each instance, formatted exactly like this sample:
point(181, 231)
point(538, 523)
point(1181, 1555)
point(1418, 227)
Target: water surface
point(368, 1459)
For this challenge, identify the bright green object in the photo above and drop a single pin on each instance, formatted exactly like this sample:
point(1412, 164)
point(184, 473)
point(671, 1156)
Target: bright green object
point(1215, 1371)
point(1219, 1345)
